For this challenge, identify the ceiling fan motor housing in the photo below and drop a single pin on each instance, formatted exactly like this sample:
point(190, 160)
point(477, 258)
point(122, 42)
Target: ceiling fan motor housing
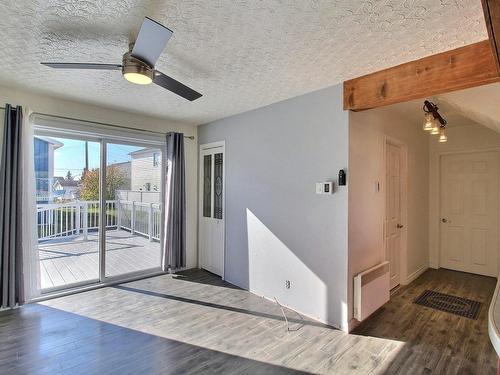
point(134, 65)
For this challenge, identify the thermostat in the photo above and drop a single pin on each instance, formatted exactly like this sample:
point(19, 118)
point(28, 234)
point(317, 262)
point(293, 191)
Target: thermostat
point(325, 187)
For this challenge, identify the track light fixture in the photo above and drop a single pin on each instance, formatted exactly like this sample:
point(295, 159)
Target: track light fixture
point(433, 121)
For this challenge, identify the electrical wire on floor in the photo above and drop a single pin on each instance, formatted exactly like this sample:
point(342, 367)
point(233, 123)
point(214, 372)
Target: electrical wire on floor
point(284, 315)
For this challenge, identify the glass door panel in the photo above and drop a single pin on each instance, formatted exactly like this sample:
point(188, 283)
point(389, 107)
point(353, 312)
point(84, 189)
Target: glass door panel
point(67, 197)
point(133, 209)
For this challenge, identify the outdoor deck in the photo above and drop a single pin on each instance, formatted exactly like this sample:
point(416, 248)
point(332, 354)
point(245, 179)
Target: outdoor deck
point(72, 260)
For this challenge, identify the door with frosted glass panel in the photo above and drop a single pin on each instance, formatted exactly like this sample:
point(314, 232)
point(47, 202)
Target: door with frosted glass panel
point(212, 214)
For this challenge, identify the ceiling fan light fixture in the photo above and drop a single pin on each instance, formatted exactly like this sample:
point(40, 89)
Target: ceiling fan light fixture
point(136, 71)
point(138, 78)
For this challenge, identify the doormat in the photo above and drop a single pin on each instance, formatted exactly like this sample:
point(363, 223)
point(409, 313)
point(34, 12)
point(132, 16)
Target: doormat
point(448, 303)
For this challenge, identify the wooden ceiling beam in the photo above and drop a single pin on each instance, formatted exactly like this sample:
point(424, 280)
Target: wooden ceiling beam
point(461, 68)
point(491, 10)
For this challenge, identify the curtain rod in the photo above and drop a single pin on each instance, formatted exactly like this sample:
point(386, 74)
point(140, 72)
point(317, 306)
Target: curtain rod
point(103, 123)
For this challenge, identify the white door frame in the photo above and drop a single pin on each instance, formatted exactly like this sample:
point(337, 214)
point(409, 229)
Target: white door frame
point(435, 202)
point(206, 146)
point(403, 268)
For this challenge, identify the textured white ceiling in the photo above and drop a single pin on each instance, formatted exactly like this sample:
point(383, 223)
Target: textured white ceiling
point(479, 104)
point(240, 54)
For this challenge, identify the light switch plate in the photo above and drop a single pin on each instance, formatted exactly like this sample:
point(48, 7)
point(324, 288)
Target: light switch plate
point(325, 187)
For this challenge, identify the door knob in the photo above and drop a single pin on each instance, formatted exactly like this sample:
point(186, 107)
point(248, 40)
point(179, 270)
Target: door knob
point(399, 226)
point(444, 220)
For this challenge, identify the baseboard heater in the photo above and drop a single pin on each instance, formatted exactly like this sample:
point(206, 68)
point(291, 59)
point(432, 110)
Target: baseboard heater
point(371, 290)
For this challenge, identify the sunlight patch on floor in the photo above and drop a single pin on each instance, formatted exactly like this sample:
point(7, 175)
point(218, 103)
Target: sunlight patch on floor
point(230, 321)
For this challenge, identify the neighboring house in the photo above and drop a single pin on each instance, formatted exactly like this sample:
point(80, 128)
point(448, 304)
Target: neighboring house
point(146, 170)
point(44, 167)
point(64, 189)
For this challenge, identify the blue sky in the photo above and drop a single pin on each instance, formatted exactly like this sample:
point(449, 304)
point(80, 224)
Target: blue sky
point(71, 156)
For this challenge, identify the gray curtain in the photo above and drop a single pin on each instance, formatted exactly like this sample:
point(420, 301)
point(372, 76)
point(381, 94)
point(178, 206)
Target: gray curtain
point(11, 262)
point(174, 231)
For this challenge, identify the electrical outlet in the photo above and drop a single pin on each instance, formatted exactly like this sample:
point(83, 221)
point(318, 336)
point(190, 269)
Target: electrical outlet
point(287, 284)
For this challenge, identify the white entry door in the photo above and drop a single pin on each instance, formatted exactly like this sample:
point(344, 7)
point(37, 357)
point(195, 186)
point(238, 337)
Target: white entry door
point(212, 214)
point(469, 212)
point(393, 226)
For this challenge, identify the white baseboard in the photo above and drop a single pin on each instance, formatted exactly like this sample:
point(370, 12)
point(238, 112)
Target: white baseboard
point(413, 276)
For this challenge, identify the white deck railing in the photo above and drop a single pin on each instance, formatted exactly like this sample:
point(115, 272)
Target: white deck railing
point(56, 220)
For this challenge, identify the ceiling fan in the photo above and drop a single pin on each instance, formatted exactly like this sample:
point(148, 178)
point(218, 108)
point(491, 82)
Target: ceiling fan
point(138, 64)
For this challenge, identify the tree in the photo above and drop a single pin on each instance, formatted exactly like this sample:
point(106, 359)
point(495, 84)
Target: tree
point(90, 186)
point(116, 179)
point(69, 176)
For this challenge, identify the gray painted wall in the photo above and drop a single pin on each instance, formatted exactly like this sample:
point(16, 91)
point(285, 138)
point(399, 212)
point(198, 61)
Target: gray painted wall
point(277, 228)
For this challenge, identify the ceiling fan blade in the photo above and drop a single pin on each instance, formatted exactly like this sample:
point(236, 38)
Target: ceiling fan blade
point(175, 86)
point(151, 41)
point(57, 65)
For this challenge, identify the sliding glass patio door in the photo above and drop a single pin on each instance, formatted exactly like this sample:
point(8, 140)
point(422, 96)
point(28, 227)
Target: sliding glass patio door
point(133, 206)
point(68, 210)
point(99, 207)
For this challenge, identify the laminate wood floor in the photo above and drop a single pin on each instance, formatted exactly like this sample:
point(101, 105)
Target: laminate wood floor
point(194, 323)
point(437, 342)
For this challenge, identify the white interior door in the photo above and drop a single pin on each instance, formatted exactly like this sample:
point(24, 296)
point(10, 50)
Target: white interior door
point(469, 212)
point(212, 213)
point(393, 224)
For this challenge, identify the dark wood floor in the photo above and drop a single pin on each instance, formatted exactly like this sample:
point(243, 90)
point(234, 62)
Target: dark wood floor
point(195, 323)
point(437, 342)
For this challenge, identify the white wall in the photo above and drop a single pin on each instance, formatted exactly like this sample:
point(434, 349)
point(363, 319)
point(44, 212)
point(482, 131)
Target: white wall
point(277, 228)
point(367, 135)
point(53, 106)
point(460, 139)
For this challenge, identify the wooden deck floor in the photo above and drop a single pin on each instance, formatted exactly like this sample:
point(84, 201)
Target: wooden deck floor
point(68, 261)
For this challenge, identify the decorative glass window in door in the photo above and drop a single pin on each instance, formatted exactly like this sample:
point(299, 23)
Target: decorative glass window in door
point(218, 185)
point(207, 185)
